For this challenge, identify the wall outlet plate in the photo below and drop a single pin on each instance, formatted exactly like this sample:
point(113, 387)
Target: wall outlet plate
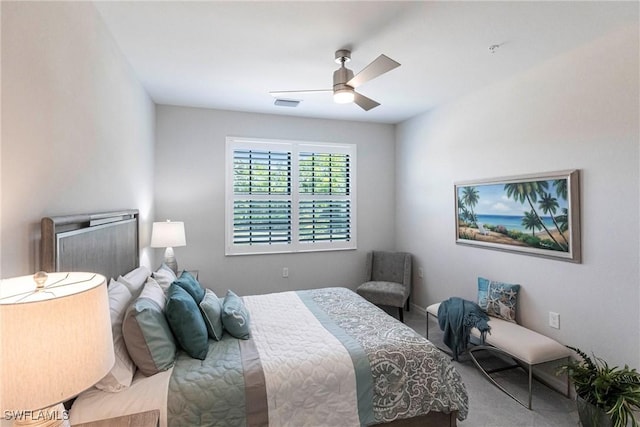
point(554, 320)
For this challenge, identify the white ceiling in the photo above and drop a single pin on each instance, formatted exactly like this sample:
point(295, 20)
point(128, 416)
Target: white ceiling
point(229, 55)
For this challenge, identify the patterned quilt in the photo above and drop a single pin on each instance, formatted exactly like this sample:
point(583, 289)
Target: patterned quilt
point(323, 357)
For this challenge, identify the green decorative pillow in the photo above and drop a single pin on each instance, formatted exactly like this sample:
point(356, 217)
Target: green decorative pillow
point(235, 317)
point(211, 308)
point(186, 322)
point(498, 299)
point(147, 335)
point(189, 283)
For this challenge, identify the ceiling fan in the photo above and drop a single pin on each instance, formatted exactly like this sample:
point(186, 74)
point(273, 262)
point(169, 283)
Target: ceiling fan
point(344, 81)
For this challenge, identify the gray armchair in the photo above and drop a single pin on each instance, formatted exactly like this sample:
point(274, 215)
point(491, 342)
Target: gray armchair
point(389, 280)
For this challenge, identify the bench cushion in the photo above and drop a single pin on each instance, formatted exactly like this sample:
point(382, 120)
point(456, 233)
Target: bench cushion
point(522, 343)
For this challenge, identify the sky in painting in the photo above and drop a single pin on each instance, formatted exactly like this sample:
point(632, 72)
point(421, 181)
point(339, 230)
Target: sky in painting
point(493, 200)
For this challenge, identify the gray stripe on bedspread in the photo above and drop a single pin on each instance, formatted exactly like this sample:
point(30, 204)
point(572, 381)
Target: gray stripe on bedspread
point(364, 380)
point(411, 376)
point(255, 389)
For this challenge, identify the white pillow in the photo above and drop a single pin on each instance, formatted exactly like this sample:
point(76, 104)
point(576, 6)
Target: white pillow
point(120, 376)
point(165, 277)
point(135, 279)
point(154, 292)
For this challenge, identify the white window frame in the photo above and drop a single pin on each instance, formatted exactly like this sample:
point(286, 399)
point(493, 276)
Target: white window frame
point(294, 147)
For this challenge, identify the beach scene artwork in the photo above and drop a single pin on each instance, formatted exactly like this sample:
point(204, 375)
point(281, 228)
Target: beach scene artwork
point(531, 214)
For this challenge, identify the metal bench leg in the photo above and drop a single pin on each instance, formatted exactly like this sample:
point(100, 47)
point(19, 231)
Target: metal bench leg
point(568, 380)
point(427, 325)
point(519, 364)
point(494, 382)
point(530, 384)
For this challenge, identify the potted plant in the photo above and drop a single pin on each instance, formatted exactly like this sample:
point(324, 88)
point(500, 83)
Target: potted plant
point(606, 396)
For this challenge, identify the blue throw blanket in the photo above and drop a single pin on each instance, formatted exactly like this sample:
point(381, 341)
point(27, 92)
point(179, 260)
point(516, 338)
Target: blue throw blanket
point(457, 317)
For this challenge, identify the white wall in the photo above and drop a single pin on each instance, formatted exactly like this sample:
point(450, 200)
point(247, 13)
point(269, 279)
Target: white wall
point(579, 110)
point(77, 127)
point(189, 187)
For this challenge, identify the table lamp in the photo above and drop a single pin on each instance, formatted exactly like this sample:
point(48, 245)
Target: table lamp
point(55, 342)
point(168, 235)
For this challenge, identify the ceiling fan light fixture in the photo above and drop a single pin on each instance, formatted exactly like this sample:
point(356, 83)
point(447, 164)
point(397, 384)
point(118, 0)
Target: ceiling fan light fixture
point(343, 96)
point(344, 81)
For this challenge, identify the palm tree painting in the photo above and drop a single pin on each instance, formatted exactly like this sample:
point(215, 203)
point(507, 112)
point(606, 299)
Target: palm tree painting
point(532, 214)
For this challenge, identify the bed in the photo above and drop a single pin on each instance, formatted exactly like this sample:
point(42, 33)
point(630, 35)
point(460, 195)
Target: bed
point(320, 357)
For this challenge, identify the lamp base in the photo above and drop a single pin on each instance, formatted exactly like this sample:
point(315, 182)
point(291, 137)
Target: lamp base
point(170, 260)
point(53, 416)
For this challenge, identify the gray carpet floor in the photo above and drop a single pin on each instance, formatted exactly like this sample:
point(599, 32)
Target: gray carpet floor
point(488, 405)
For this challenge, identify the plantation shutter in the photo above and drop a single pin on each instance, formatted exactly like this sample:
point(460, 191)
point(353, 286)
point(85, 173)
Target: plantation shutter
point(262, 197)
point(289, 196)
point(324, 197)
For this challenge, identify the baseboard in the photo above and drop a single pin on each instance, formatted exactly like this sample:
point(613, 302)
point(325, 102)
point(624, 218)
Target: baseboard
point(418, 309)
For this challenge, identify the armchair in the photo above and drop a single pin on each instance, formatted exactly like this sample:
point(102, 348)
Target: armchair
point(389, 280)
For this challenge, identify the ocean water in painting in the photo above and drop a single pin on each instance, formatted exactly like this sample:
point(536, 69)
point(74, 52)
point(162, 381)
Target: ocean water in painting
point(512, 222)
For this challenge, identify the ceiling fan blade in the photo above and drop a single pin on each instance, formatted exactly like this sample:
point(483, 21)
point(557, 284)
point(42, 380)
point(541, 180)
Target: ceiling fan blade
point(289, 92)
point(379, 66)
point(363, 102)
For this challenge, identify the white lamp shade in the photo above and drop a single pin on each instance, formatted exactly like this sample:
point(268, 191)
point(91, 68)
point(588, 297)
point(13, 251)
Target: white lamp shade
point(54, 343)
point(343, 96)
point(168, 234)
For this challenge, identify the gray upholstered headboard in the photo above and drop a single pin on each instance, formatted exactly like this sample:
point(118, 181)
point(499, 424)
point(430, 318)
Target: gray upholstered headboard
point(104, 243)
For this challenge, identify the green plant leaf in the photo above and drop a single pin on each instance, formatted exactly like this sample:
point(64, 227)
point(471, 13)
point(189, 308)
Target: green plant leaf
point(615, 390)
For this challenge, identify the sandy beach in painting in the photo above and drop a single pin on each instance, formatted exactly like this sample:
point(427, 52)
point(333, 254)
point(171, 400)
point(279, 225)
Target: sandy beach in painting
point(493, 237)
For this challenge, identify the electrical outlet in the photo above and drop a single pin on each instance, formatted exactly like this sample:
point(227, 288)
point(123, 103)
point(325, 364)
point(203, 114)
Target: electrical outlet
point(554, 320)
point(420, 272)
point(285, 272)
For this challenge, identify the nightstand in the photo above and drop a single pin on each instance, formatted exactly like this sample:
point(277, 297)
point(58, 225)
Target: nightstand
point(141, 419)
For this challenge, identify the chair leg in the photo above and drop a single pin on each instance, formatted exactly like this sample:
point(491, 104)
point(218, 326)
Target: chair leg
point(427, 325)
point(401, 314)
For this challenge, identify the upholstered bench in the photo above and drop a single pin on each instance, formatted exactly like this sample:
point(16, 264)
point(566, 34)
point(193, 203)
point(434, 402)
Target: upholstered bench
point(525, 346)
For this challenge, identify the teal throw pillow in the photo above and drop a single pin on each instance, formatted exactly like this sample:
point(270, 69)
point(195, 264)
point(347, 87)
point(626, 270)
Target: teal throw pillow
point(190, 284)
point(498, 299)
point(211, 308)
point(186, 322)
point(235, 317)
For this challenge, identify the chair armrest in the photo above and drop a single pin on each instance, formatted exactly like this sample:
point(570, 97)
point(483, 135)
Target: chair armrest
point(369, 266)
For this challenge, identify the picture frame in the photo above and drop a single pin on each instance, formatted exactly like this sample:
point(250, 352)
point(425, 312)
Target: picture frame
point(535, 214)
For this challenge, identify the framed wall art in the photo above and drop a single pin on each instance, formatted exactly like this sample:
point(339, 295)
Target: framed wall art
point(536, 214)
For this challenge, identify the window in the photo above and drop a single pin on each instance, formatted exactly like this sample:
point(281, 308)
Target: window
point(286, 196)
